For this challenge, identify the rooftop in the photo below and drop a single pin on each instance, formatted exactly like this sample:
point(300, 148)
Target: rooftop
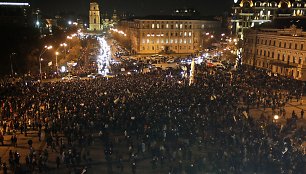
point(169, 17)
point(286, 22)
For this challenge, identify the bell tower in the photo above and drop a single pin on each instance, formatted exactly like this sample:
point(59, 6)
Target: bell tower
point(94, 16)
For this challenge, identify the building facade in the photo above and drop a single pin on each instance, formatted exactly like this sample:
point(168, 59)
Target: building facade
point(94, 16)
point(250, 13)
point(279, 50)
point(14, 13)
point(167, 34)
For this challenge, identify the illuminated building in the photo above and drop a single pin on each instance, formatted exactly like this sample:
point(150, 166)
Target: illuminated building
point(15, 13)
point(167, 34)
point(250, 13)
point(278, 46)
point(94, 16)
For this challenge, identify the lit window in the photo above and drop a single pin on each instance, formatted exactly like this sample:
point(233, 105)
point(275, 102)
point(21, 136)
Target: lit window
point(148, 41)
point(181, 25)
point(185, 41)
point(143, 41)
point(175, 40)
point(176, 26)
point(185, 33)
point(189, 34)
point(153, 25)
point(167, 25)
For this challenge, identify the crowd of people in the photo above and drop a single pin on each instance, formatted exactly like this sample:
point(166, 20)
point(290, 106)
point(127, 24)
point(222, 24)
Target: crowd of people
point(205, 127)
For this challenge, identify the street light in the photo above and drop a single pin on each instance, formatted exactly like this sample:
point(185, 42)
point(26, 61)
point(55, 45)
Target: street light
point(64, 45)
point(40, 59)
point(275, 118)
point(56, 54)
point(12, 63)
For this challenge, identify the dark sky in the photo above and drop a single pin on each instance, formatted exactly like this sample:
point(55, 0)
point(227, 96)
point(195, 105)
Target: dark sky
point(138, 7)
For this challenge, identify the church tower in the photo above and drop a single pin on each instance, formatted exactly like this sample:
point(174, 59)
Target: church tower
point(94, 16)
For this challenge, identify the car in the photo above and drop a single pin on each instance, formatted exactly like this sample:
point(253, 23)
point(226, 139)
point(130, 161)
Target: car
point(170, 61)
point(209, 64)
point(92, 75)
point(68, 77)
point(75, 78)
point(219, 66)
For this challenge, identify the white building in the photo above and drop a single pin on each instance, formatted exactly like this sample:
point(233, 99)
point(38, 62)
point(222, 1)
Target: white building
point(279, 47)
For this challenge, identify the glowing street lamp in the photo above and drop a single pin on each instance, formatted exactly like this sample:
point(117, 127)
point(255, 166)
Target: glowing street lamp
point(40, 59)
point(56, 54)
point(64, 45)
point(275, 118)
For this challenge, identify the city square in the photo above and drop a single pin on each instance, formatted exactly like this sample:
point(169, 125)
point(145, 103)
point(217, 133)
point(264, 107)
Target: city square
point(182, 91)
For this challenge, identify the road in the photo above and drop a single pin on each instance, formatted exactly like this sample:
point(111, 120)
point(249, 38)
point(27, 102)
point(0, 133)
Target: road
point(104, 56)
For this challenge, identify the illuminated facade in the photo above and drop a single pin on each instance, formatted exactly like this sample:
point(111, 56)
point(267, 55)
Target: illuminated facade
point(94, 16)
point(167, 34)
point(281, 51)
point(250, 13)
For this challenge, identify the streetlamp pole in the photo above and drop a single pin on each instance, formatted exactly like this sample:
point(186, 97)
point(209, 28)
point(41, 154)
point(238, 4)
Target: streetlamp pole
point(56, 54)
point(41, 53)
point(12, 70)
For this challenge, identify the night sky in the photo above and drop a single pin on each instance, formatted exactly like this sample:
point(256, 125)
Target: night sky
point(138, 7)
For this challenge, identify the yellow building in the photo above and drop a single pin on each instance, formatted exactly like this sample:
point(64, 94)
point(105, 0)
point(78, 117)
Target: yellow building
point(94, 16)
point(167, 34)
point(250, 13)
point(279, 47)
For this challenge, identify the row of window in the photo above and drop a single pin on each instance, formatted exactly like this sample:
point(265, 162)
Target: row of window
point(280, 56)
point(171, 26)
point(153, 41)
point(162, 48)
point(281, 44)
point(180, 34)
point(174, 26)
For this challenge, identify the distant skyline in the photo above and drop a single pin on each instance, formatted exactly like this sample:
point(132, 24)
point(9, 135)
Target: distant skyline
point(137, 7)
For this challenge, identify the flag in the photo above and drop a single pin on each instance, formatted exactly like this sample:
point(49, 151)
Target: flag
point(245, 114)
point(123, 99)
point(50, 63)
point(117, 100)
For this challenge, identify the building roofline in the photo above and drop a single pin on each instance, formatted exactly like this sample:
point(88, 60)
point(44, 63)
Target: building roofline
point(168, 17)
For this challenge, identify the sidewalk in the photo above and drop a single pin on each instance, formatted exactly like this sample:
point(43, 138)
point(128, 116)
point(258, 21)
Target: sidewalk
point(22, 146)
point(294, 105)
point(291, 106)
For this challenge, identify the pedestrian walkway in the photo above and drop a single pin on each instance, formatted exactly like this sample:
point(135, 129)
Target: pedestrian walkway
point(291, 106)
point(294, 105)
point(23, 148)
